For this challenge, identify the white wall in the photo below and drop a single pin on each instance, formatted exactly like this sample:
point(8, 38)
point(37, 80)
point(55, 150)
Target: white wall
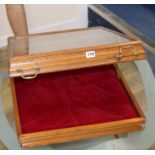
point(46, 17)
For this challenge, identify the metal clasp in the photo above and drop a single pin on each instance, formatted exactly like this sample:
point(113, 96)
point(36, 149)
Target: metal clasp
point(35, 73)
point(119, 56)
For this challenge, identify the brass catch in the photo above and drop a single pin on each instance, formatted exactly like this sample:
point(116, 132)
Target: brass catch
point(119, 56)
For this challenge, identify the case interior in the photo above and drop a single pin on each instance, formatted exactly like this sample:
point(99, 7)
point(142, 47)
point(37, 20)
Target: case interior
point(72, 98)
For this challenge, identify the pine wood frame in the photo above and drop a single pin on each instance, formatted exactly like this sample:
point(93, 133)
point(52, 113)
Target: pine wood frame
point(74, 58)
point(86, 131)
point(80, 132)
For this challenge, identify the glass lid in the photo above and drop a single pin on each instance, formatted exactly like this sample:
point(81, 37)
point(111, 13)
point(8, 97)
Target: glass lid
point(65, 40)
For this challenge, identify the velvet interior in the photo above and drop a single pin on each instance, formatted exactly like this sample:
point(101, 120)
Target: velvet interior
point(72, 98)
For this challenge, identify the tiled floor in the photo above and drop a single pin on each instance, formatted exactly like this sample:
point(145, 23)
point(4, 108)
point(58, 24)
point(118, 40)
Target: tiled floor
point(129, 70)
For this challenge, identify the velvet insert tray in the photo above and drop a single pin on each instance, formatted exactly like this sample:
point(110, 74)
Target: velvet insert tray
point(73, 99)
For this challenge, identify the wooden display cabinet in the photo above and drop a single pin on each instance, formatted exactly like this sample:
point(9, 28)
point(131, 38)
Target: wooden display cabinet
point(68, 86)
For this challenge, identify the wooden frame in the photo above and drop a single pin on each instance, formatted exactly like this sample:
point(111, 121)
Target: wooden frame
point(74, 59)
point(81, 132)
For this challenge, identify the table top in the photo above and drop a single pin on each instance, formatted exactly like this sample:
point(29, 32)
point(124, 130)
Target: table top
point(143, 21)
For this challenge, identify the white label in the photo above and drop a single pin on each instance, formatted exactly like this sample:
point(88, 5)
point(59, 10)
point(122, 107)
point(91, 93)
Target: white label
point(90, 54)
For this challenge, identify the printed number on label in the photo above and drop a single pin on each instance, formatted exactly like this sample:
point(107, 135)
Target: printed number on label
point(90, 54)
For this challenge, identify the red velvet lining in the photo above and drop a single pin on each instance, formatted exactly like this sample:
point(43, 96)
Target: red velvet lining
point(72, 98)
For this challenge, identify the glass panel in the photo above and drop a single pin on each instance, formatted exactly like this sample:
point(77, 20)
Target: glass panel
point(65, 41)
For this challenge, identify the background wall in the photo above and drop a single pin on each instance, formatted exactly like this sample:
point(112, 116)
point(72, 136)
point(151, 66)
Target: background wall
point(46, 17)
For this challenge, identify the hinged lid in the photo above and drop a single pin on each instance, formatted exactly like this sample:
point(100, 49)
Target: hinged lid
point(71, 49)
